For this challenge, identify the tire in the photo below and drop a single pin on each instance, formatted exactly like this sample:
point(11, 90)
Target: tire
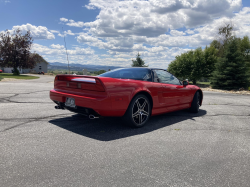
point(138, 112)
point(195, 106)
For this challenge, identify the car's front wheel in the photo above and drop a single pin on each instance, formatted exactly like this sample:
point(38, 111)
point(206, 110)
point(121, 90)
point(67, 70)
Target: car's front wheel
point(138, 112)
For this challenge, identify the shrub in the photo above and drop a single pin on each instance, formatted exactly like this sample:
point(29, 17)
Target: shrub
point(16, 72)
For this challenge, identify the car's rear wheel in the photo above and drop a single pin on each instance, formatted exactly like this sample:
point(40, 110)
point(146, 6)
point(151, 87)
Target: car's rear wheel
point(195, 106)
point(138, 112)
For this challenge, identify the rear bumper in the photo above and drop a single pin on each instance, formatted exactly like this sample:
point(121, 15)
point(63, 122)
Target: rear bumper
point(98, 106)
point(81, 110)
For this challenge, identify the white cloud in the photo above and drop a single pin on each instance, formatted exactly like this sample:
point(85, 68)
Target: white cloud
point(57, 53)
point(57, 46)
point(54, 31)
point(63, 19)
point(90, 7)
point(72, 23)
point(118, 38)
point(242, 22)
point(158, 29)
point(153, 17)
point(69, 32)
point(158, 49)
point(177, 33)
point(65, 33)
point(84, 37)
point(81, 51)
point(37, 32)
point(190, 31)
point(57, 49)
point(139, 47)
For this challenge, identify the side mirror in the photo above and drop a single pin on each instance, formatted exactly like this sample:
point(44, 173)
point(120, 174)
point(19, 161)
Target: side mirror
point(185, 83)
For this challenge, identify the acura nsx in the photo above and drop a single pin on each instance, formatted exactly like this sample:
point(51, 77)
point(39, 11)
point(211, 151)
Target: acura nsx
point(132, 93)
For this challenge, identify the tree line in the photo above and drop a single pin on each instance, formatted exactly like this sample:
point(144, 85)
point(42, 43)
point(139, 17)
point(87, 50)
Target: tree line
point(225, 62)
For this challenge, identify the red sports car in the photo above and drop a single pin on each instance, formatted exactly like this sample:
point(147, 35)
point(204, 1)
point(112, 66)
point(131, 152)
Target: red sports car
point(132, 93)
point(1, 71)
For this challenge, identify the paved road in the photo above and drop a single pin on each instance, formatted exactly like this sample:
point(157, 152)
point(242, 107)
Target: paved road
point(41, 146)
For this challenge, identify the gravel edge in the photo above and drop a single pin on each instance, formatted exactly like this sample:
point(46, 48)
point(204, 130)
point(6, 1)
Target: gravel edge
point(243, 92)
point(9, 79)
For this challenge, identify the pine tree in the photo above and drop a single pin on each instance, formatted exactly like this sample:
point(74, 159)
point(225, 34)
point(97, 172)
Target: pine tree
point(138, 62)
point(231, 70)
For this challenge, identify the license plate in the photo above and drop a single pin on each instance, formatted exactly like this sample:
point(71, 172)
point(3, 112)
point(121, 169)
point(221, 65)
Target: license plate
point(70, 102)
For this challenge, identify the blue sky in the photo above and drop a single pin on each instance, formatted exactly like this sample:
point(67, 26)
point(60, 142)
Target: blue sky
point(112, 32)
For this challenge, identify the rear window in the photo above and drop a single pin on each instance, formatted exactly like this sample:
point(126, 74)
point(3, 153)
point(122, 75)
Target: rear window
point(129, 73)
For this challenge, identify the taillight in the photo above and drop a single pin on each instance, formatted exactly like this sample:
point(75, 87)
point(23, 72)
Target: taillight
point(64, 78)
point(56, 78)
point(84, 83)
point(99, 86)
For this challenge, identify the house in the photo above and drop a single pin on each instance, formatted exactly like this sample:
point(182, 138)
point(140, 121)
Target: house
point(43, 66)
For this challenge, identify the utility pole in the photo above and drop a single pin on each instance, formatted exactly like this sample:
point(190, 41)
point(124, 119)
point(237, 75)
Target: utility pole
point(66, 50)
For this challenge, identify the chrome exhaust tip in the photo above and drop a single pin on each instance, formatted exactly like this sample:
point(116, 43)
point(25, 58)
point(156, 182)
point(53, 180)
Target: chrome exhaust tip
point(92, 117)
point(58, 107)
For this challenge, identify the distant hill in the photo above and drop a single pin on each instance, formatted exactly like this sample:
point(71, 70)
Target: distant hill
point(79, 67)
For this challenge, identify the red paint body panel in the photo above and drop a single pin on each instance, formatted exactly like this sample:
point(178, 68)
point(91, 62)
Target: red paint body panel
point(111, 97)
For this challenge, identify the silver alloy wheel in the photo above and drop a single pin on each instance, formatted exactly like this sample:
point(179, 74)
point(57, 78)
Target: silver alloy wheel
point(140, 111)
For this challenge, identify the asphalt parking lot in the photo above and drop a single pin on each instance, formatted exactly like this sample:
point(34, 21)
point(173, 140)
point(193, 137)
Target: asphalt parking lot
point(41, 146)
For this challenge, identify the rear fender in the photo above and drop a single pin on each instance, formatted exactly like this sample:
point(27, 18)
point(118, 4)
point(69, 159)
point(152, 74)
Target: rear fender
point(144, 92)
point(122, 91)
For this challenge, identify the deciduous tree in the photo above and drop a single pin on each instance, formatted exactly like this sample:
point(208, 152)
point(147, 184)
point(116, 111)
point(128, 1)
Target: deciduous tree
point(194, 65)
point(99, 72)
point(15, 50)
point(226, 33)
point(210, 57)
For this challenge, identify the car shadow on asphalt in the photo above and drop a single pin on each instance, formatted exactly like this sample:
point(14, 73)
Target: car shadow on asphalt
point(108, 129)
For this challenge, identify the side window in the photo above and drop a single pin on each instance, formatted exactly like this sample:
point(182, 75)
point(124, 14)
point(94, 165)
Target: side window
point(130, 73)
point(165, 77)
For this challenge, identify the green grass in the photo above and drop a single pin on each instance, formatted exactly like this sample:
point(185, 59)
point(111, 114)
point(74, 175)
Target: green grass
point(207, 83)
point(10, 75)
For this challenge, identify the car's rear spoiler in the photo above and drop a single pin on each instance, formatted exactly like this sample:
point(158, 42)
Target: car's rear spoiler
point(80, 81)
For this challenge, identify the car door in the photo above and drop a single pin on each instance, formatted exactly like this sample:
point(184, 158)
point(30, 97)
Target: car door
point(174, 93)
